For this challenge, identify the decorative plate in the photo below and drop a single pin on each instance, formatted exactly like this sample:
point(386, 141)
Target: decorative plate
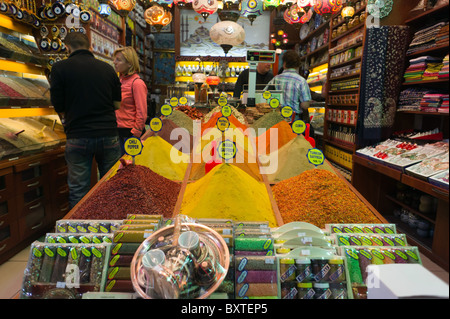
point(304, 31)
point(379, 8)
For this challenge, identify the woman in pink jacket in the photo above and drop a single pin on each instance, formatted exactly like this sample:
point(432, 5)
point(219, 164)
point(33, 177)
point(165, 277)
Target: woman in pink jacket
point(132, 114)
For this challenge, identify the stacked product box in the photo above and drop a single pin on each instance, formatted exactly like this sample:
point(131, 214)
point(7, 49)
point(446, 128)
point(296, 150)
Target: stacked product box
point(69, 263)
point(255, 263)
point(224, 227)
point(440, 180)
point(366, 244)
point(126, 240)
point(309, 267)
point(430, 167)
point(338, 156)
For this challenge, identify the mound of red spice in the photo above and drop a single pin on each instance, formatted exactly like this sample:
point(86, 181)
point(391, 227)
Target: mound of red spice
point(319, 197)
point(134, 189)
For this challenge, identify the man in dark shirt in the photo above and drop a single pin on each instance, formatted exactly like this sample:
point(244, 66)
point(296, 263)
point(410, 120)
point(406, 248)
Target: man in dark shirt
point(85, 93)
point(263, 76)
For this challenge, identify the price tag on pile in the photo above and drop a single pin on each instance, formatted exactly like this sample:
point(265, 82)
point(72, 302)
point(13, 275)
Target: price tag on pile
point(267, 95)
point(287, 111)
point(183, 100)
point(298, 127)
point(166, 109)
point(274, 103)
point(133, 147)
point(227, 149)
point(222, 124)
point(315, 157)
point(173, 101)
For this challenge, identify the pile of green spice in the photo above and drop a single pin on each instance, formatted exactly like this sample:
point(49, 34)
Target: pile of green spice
point(320, 197)
point(182, 120)
point(267, 121)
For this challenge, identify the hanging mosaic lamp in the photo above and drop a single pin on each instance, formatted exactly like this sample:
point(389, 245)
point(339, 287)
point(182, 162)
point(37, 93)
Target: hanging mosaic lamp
point(271, 4)
point(157, 17)
point(104, 10)
point(293, 14)
point(227, 34)
point(305, 4)
point(124, 6)
point(165, 3)
point(379, 8)
point(251, 9)
point(181, 3)
point(326, 8)
point(307, 16)
point(229, 3)
point(205, 7)
point(348, 11)
point(287, 3)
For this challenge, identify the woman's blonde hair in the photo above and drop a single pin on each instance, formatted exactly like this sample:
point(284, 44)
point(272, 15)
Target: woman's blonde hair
point(131, 57)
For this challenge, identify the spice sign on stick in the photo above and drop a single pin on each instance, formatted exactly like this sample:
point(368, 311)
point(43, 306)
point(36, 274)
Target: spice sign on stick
point(287, 111)
point(173, 102)
point(222, 124)
point(183, 100)
point(298, 127)
point(274, 103)
point(166, 109)
point(226, 110)
point(133, 147)
point(227, 149)
point(156, 124)
point(222, 101)
point(315, 157)
point(267, 95)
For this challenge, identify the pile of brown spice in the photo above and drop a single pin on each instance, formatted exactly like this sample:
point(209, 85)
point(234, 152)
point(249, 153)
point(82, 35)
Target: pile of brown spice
point(319, 197)
point(134, 189)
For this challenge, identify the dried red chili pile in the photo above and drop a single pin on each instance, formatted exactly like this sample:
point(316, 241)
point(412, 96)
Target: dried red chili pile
point(319, 197)
point(190, 111)
point(135, 189)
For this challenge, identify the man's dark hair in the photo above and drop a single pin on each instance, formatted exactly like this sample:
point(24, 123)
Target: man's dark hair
point(292, 59)
point(77, 41)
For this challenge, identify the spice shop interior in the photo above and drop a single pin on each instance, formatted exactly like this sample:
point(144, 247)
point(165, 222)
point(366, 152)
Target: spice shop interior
point(234, 193)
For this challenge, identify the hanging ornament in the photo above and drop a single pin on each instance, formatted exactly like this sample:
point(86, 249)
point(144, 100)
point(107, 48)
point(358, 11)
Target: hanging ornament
point(229, 3)
point(326, 8)
point(271, 4)
point(306, 17)
point(181, 3)
point(348, 11)
point(104, 10)
point(205, 7)
point(379, 8)
point(305, 4)
point(227, 34)
point(251, 9)
point(165, 3)
point(287, 3)
point(124, 6)
point(158, 17)
point(293, 14)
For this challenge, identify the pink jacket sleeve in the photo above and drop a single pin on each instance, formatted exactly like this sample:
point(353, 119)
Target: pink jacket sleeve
point(140, 99)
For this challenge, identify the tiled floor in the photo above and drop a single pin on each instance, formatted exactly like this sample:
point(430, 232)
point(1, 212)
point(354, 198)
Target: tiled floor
point(11, 273)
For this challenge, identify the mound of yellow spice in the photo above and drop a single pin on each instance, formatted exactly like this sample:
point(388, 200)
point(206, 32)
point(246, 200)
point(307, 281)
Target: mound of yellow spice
point(319, 197)
point(230, 193)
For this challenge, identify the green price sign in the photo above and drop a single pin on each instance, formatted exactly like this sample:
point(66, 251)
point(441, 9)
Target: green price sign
point(166, 109)
point(183, 100)
point(174, 101)
point(133, 146)
point(267, 95)
point(287, 111)
point(226, 110)
point(274, 103)
point(298, 127)
point(227, 149)
point(223, 123)
point(315, 157)
point(156, 124)
point(222, 101)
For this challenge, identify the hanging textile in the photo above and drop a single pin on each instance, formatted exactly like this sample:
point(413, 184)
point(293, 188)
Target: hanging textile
point(381, 80)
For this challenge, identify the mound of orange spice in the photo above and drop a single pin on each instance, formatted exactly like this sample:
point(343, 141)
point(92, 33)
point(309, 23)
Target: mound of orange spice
point(319, 197)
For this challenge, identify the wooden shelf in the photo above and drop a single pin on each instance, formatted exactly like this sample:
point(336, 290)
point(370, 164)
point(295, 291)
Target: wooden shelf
point(340, 165)
point(390, 172)
point(411, 236)
point(423, 113)
point(321, 27)
point(425, 14)
point(442, 48)
point(342, 105)
point(343, 124)
point(347, 32)
point(345, 146)
point(356, 59)
point(343, 21)
point(425, 187)
point(412, 210)
point(344, 91)
point(315, 65)
point(426, 82)
point(345, 76)
point(322, 48)
point(354, 45)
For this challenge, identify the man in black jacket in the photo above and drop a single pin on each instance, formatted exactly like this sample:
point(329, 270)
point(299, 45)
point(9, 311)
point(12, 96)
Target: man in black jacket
point(85, 93)
point(263, 76)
